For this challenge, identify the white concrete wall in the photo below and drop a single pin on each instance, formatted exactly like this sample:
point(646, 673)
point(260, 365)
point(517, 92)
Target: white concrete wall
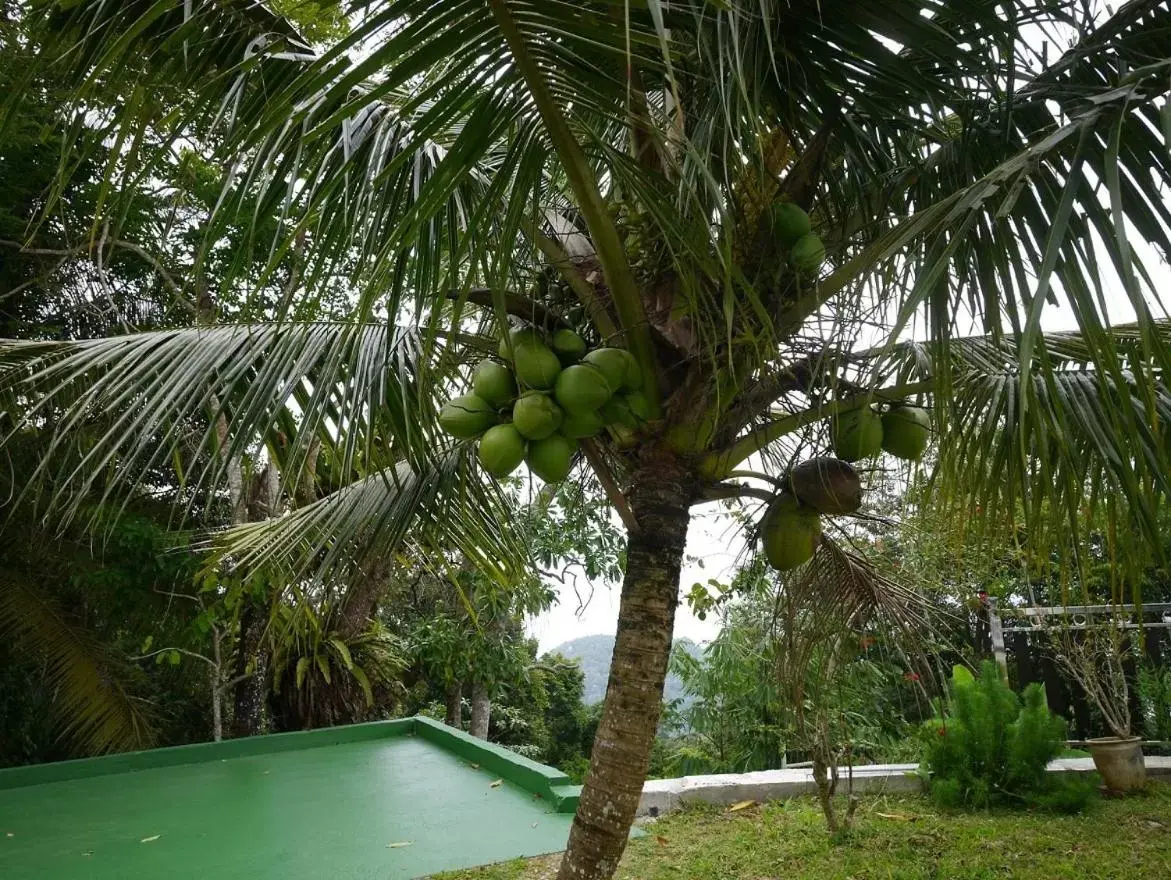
point(661, 796)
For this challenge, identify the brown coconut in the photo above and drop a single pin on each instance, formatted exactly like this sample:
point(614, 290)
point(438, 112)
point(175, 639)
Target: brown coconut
point(828, 485)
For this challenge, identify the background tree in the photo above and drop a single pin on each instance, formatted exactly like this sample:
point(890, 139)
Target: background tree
point(952, 166)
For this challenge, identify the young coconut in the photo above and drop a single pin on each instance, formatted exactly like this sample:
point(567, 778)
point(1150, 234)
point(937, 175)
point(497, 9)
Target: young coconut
point(536, 365)
point(857, 434)
point(467, 417)
point(502, 449)
point(612, 362)
point(828, 485)
point(579, 425)
point(807, 254)
point(568, 346)
point(536, 416)
point(789, 532)
point(494, 382)
point(522, 336)
point(632, 381)
point(581, 388)
point(551, 458)
point(906, 431)
point(788, 223)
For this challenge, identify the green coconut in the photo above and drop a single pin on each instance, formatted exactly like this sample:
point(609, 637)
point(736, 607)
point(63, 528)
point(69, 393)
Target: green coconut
point(617, 412)
point(523, 336)
point(638, 404)
point(612, 362)
point(828, 485)
point(807, 254)
point(578, 425)
point(568, 346)
point(789, 223)
point(857, 434)
point(467, 417)
point(906, 431)
point(502, 449)
point(632, 381)
point(789, 532)
point(494, 382)
point(536, 416)
point(581, 388)
point(536, 365)
point(551, 458)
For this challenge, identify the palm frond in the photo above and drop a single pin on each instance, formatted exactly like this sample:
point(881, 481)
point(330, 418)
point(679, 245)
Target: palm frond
point(439, 503)
point(210, 394)
point(95, 712)
point(825, 608)
point(1048, 442)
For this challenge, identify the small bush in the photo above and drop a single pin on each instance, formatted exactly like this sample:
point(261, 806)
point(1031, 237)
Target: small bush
point(993, 747)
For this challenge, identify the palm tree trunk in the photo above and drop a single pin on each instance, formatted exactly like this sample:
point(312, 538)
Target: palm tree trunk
point(660, 496)
point(481, 709)
point(454, 717)
point(248, 693)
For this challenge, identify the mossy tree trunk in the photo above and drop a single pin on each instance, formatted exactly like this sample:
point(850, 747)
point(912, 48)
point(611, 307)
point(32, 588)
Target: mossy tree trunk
point(454, 714)
point(661, 493)
point(481, 710)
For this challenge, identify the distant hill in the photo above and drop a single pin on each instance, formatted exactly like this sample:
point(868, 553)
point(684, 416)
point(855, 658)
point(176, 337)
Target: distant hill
point(594, 652)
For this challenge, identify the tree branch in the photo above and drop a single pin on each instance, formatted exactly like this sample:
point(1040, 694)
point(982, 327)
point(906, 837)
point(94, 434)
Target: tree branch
point(610, 485)
point(718, 464)
point(182, 651)
point(719, 491)
point(603, 232)
point(560, 260)
point(516, 304)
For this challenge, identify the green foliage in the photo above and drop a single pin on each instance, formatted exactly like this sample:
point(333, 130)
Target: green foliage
point(1154, 693)
point(992, 747)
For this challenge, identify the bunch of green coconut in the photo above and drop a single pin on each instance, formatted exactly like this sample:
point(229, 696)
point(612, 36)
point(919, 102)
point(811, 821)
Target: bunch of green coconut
point(794, 233)
point(791, 527)
point(541, 396)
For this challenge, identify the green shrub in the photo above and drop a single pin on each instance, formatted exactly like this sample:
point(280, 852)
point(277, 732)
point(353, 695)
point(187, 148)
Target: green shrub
point(993, 747)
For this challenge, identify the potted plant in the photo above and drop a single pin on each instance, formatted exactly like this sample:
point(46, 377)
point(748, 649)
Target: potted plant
point(1093, 655)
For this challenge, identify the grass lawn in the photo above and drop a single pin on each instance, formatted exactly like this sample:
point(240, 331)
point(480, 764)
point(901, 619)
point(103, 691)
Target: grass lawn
point(902, 837)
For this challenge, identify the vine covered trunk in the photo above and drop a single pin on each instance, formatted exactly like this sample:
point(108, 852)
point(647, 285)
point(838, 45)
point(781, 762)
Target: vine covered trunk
point(661, 493)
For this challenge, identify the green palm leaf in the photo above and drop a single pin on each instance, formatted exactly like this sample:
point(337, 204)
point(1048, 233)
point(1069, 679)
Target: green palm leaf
point(140, 398)
point(95, 712)
point(440, 503)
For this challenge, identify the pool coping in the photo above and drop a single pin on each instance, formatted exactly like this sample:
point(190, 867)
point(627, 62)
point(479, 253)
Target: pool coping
point(543, 781)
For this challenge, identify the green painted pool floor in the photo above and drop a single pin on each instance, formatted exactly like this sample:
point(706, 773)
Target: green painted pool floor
point(327, 813)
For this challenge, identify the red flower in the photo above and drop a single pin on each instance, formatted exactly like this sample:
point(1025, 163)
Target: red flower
point(911, 676)
point(865, 642)
point(943, 731)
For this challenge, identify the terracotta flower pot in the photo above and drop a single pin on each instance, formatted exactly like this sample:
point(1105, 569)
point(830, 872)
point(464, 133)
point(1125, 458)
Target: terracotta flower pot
point(1120, 762)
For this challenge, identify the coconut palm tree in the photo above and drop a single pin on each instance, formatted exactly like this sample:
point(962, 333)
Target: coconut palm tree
point(967, 166)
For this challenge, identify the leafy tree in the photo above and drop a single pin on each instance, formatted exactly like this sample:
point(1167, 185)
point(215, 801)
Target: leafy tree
point(953, 166)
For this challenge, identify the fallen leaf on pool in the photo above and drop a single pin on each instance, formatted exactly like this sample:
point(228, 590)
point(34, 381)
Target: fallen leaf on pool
point(495, 784)
point(88, 852)
point(149, 839)
point(398, 845)
point(9, 834)
point(741, 805)
point(534, 825)
point(474, 766)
